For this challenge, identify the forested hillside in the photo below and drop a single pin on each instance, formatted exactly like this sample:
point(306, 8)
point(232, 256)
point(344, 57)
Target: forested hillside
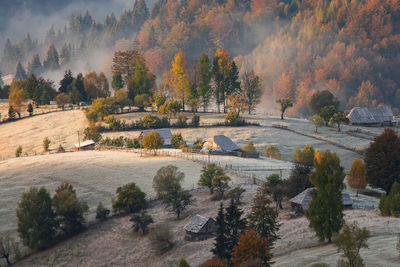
point(350, 48)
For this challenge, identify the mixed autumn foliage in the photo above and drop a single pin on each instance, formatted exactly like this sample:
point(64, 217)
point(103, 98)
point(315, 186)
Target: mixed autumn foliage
point(348, 48)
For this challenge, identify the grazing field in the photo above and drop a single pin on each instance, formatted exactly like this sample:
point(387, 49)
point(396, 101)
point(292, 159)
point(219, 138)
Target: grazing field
point(60, 127)
point(114, 243)
point(95, 175)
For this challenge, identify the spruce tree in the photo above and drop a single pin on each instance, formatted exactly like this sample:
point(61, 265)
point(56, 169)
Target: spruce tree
point(117, 81)
point(52, 60)
point(220, 246)
point(234, 226)
point(140, 14)
point(35, 67)
point(20, 73)
point(325, 211)
point(66, 81)
point(205, 80)
point(264, 218)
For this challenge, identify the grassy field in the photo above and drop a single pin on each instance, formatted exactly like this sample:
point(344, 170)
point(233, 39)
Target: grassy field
point(59, 127)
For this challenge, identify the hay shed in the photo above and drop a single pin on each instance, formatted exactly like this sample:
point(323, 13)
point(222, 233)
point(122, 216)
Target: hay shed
point(371, 116)
point(200, 227)
point(222, 143)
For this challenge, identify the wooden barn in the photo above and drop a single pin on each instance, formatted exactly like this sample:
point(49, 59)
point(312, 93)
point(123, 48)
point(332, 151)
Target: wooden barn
point(200, 227)
point(165, 134)
point(85, 145)
point(371, 116)
point(220, 143)
point(300, 202)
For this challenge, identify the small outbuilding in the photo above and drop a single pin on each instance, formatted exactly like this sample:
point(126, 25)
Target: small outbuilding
point(371, 116)
point(165, 134)
point(200, 227)
point(220, 143)
point(85, 145)
point(301, 202)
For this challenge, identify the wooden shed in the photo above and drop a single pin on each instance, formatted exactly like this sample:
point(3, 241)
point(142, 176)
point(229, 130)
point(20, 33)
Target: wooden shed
point(301, 202)
point(220, 143)
point(372, 116)
point(200, 227)
point(165, 134)
point(85, 145)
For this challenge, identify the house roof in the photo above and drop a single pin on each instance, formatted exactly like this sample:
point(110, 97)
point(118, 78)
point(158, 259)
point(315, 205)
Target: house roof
point(165, 134)
point(304, 198)
point(225, 143)
point(370, 115)
point(85, 143)
point(196, 224)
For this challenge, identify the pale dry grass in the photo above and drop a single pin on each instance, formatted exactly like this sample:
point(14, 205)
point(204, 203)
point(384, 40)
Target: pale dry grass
point(30, 132)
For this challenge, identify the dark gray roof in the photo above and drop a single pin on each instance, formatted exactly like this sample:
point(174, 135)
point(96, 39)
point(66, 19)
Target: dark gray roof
point(165, 134)
point(225, 143)
point(196, 224)
point(371, 115)
point(304, 198)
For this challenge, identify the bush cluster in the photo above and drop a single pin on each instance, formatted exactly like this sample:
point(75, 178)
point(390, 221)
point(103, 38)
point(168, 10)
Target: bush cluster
point(121, 142)
point(390, 205)
point(233, 119)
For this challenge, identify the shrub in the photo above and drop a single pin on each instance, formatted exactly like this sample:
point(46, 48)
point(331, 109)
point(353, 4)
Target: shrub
point(198, 144)
point(132, 143)
point(36, 220)
point(152, 141)
point(130, 198)
point(30, 109)
point(182, 121)
point(161, 238)
point(68, 209)
point(142, 101)
point(250, 247)
point(236, 194)
point(115, 125)
point(319, 264)
point(141, 222)
point(102, 212)
point(220, 184)
point(177, 140)
point(152, 122)
point(195, 121)
point(272, 151)
point(215, 262)
point(92, 133)
point(18, 151)
point(183, 263)
point(249, 147)
point(11, 113)
point(46, 144)
point(233, 119)
point(390, 205)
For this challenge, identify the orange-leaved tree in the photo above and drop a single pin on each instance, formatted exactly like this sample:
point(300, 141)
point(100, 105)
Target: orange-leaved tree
point(357, 175)
point(251, 247)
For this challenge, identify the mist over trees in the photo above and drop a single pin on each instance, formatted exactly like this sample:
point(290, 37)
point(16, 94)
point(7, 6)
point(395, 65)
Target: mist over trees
point(350, 50)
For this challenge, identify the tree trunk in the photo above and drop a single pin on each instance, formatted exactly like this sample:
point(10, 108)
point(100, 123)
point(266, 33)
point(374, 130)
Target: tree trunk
point(282, 115)
point(7, 259)
point(204, 105)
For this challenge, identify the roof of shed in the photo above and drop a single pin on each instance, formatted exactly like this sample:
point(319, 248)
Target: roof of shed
point(85, 143)
point(371, 115)
point(304, 198)
point(225, 143)
point(196, 224)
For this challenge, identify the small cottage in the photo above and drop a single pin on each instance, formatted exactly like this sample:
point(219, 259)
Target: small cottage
point(301, 202)
point(86, 145)
point(165, 134)
point(372, 116)
point(200, 227)
point(220, 143)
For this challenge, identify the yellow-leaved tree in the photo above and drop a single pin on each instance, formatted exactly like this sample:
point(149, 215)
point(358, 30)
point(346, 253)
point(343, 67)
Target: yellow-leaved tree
point(16, 98)
point(180, 77)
